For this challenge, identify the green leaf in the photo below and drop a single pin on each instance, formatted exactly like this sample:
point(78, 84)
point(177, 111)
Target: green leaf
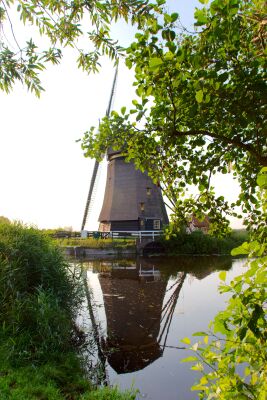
point(220, 326)
point(243, 249)
point(154, 63)
point(207, 98)
point(186, 340)
point(197, 367)
point(149, 90)
point(201, 17)
point(203, 380)
point(167, 18)
point(198, 387)
point(174, 17)
point(222, 275)
point(199, 96)
point(200, 334)
point(189, 359)
point(262, 180)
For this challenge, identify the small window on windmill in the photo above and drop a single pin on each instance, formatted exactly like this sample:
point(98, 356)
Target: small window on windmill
point(148, 191)
point(142, 206)
point(156, 224)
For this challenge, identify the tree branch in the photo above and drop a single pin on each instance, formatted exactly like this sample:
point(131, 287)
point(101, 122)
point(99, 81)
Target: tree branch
point(11, 27)
point(236, 142)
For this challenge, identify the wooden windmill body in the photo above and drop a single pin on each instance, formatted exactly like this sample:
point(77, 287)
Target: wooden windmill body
point(132, 202)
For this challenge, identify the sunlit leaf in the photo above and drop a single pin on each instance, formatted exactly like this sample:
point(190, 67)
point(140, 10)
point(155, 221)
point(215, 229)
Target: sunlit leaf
point(199, 96)
point(186, 340)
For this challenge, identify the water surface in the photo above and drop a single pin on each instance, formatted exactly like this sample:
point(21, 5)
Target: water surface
point(144, 307)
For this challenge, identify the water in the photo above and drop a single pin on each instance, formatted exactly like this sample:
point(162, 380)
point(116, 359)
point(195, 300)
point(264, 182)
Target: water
point(145, 307)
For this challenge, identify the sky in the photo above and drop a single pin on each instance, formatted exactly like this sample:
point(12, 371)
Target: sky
point(44, 176)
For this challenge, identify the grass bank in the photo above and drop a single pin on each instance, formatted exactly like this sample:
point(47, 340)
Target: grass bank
point(40, 344)
point(198, 243)
point(195, 243)
point(97, 243)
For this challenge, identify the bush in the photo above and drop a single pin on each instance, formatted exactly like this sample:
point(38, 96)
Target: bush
point(39, 295)
point(199, 243)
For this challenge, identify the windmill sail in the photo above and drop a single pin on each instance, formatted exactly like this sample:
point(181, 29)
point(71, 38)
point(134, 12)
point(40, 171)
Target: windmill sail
point(92, 187)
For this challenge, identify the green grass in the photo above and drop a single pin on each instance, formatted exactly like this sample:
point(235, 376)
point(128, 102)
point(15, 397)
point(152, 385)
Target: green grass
point(48, 382)
point(108, 393)
point(97, 243)
point(40, 295)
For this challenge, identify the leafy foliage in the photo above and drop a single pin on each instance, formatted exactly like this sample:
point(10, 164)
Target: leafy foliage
point(63, 23)
point(201, 110)
point(232, 356)
point(235, 349)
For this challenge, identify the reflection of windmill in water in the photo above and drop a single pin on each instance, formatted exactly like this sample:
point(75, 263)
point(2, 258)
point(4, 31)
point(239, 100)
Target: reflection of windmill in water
point(138, 321)
point(132, 202)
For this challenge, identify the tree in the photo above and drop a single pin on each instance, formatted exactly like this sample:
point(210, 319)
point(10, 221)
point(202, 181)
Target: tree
point(63, 23)
point(232, 355)
point(4, 220)
point(201, 108)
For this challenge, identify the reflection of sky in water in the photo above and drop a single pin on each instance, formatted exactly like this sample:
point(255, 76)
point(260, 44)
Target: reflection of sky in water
point(198, 302)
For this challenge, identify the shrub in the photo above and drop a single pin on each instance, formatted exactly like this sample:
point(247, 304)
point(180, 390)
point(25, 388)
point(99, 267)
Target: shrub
point(39, 295)
point(199, 243)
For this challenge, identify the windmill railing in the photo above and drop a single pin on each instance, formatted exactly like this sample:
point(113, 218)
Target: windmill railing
point(123, 234)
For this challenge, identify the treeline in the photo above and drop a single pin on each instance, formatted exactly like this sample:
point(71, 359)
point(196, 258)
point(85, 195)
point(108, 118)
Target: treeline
point(40, 343)
point(199, 243)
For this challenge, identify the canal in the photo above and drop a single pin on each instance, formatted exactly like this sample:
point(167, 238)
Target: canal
point(144, 307)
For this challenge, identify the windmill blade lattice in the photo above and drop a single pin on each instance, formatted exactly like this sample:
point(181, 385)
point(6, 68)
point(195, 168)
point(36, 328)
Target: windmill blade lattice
point(96, 171)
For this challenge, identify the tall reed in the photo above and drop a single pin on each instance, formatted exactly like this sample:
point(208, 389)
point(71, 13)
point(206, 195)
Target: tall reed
point(39, 295)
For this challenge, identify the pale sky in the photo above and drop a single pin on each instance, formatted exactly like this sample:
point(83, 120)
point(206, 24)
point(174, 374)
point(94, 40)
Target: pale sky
point(44, 176)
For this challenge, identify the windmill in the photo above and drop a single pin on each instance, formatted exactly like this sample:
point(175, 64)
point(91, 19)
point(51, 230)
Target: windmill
point(132, 202)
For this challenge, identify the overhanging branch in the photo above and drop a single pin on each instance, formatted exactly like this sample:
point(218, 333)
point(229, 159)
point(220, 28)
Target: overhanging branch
point(232, 141)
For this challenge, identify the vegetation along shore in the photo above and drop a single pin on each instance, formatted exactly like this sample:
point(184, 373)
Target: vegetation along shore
point(41, 347)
